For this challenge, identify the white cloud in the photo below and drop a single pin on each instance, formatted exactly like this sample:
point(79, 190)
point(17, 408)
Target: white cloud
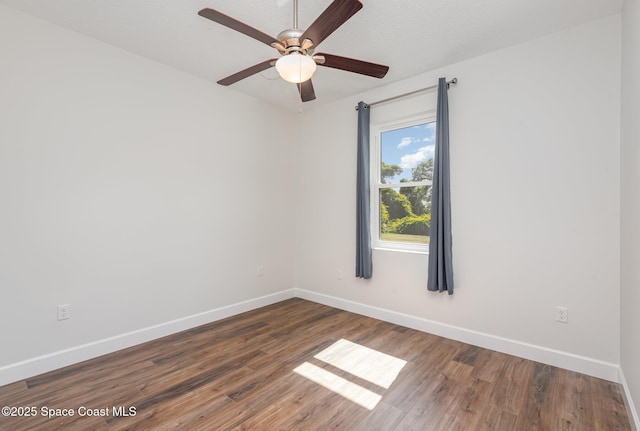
point(410, 161)
point(405, 142)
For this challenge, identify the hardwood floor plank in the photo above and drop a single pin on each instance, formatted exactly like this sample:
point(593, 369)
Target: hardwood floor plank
point(468, 355)
point(504, 420)
point(489, 365)
point(608, 406)
point(470, 407)
point(307, 402)
point(533, 415)
point(412, 383)
point(427, 411)
point(298, 365)
point(383, 417)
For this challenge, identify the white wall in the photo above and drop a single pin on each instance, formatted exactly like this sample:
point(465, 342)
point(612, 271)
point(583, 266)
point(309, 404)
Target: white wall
point(535, 190)
point(132, 191)
point(630, 199)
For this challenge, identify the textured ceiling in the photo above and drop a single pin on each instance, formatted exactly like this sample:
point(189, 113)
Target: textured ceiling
point(410, 36)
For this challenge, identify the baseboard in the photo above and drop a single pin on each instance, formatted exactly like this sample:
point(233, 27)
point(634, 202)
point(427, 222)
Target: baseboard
point(628, 402)
point(569, 361)
point(42, 364)
point(32, 367)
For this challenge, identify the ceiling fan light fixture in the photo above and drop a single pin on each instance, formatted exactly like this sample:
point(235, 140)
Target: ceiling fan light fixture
point(296, 67)
point(297, 63)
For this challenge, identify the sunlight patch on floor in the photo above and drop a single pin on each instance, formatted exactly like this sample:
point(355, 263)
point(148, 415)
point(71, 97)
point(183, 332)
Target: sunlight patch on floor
point(359, 361)
point(368, 364)
point(340, 386)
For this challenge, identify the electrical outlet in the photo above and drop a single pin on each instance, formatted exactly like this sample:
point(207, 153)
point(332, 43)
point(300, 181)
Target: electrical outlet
point(64, 312)
point(562, 314)
point(340, 275)
point(260, 271)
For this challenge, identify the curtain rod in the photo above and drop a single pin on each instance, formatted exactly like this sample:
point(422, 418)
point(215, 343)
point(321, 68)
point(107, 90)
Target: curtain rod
point(420, 90)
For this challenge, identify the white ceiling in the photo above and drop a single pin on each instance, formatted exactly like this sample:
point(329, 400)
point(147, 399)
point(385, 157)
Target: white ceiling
point(410, 36)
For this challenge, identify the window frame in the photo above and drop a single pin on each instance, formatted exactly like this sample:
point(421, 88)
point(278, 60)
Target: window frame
point(376, 182)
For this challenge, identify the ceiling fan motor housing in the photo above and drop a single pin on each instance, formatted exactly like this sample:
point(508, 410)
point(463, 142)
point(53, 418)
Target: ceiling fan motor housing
point(290, 39)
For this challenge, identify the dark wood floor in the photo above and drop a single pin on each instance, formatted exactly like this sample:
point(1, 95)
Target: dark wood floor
point(244, 373)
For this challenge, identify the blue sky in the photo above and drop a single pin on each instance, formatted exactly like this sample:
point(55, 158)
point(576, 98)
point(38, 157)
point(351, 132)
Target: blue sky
point(407, 147)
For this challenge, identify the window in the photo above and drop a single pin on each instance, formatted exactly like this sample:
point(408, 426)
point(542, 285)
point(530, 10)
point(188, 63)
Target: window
point(402, 171)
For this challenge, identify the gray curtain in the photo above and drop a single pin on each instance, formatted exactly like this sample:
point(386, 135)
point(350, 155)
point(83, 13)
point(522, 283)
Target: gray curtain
point(440, 261)
point(364, 265)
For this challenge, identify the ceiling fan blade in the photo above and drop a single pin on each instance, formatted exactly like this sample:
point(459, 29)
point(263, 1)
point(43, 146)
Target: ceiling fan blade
point(333, 17)
point(236, 25)
point(306, 91)
point(232, 79)
point(353, 65)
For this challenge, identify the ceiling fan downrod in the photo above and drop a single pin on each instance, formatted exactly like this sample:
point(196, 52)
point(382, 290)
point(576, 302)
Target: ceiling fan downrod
point(291, 41)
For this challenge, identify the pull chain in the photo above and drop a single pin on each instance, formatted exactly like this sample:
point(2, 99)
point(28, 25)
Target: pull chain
point(300, 85)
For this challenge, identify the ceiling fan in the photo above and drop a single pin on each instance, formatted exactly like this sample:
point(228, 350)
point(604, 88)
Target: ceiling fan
point(296, 47)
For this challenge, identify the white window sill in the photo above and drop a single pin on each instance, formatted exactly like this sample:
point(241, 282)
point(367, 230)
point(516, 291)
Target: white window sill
point(400, 250)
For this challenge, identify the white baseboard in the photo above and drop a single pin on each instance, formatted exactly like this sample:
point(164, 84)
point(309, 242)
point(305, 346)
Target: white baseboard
point(628, 402)
point(569, 361)
point(32, 367)
point(42, 364)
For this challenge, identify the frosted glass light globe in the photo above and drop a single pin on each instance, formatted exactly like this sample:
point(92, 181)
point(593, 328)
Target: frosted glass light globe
point(296, 67)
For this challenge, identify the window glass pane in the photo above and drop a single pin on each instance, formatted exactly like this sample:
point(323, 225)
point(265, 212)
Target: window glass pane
point(405, 214)
point(407, 153)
